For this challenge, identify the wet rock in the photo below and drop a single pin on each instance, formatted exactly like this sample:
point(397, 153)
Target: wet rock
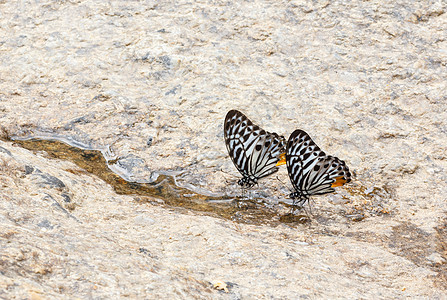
point(366, 79)
point(131, 163)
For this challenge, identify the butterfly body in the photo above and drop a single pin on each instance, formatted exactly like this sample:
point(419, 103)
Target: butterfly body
point(311, 171)
point(256, 153)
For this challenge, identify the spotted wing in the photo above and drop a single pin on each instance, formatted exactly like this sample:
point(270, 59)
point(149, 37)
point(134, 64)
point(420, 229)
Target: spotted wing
point(254, 151)
point(311, 171)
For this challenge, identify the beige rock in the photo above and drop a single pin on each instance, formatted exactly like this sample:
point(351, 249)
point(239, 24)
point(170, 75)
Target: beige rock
point(366, 79)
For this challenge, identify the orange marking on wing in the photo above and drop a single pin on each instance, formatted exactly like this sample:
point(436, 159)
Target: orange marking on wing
point(339, 181)
point(282, 159)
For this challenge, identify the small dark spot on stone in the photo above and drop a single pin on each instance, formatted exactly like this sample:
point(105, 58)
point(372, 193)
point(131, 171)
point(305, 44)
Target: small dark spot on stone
point(144, 251)
point(28, 170)
point(66, 198)
point(174, 90)
point(45, 224)
point(147, 56)
point(166, 60)
point(149, 141)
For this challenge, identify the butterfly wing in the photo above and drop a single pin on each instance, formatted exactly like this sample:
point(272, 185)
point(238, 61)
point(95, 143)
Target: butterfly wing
point(311, 171)
point(254, 151)
point(266, 154)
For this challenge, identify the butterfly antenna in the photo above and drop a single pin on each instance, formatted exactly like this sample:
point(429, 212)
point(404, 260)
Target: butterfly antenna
point(291, 191)
point(244, 191)
point(226, 179)
point(308, 213)
point(310, 207)
point(300, 204)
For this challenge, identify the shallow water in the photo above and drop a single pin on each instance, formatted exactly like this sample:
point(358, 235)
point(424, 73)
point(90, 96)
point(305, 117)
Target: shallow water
point(406, 240)
point(253, 211)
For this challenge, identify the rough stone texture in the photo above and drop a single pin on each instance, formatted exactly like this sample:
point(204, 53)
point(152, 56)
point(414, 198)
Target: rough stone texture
point(151, 82)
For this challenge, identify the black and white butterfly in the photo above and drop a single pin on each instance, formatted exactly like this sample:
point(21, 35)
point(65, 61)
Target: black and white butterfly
point(256, 153)
point(311, 171)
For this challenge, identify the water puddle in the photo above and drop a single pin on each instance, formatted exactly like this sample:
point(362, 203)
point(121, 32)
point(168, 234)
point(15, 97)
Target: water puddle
point(254, 211)
point(407, 241)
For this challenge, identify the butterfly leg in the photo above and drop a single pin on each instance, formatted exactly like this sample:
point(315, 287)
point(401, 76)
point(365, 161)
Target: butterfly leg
point(298, 203)
point(310, 207)
point(242, 198)
point(293, 206)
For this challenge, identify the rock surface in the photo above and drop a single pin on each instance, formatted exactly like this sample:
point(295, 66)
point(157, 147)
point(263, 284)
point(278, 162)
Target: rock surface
point(149, 83)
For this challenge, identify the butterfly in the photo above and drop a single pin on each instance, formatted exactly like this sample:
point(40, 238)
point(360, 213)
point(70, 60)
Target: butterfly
point(311, 171)
point(256, 153)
